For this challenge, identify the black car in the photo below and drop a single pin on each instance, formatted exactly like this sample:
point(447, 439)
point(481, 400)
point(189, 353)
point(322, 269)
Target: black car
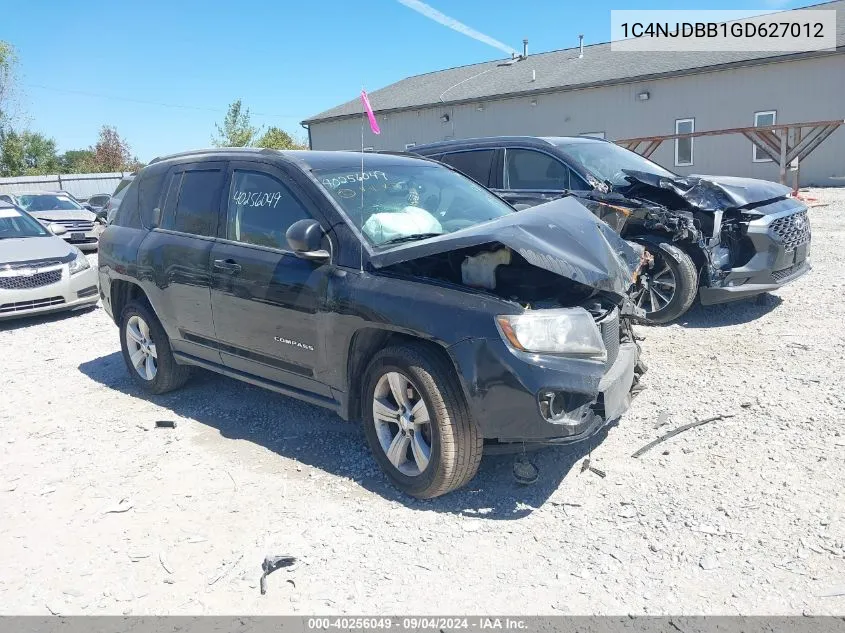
point(109, 209)
point(403, 294)
point(97, 203)
point(723, 238)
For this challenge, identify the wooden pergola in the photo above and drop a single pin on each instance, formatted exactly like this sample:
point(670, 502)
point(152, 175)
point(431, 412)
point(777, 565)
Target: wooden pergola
point(785, 144)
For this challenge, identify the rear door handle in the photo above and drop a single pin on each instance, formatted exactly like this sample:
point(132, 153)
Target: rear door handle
point(227, 265)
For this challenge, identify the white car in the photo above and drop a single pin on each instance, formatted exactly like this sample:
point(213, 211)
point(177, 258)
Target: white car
point(40, 272)
point(57, 207)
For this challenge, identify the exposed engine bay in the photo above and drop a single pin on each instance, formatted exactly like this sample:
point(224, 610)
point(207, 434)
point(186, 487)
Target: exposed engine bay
point(707, 216)
point(501, 271)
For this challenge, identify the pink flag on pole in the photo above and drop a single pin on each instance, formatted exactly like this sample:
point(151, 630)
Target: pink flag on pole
point(369, 110)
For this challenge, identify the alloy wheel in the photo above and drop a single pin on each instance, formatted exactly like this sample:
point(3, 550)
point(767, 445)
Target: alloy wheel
point(142, 349)
point(402, 423)
point(657, 289)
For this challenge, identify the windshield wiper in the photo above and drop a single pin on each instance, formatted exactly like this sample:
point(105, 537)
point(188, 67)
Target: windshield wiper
point(410, 238)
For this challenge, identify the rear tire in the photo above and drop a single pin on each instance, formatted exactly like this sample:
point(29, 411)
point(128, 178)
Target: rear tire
point(146, 351)
point(669, 287)
point(427, 385)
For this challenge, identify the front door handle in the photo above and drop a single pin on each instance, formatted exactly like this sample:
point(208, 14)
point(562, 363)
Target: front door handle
point(227, 265)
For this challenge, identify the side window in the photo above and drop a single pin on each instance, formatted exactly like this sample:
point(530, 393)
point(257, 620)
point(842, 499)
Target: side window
point(261, 209)
point(193, 202)
point(576, 183)
point(476, 164)
point(527, 169)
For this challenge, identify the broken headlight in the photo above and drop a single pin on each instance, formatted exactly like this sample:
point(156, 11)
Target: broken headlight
point(566, 331)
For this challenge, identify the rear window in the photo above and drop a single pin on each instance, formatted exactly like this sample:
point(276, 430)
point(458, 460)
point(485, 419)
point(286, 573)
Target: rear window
point(476, 164)
point(193, 202)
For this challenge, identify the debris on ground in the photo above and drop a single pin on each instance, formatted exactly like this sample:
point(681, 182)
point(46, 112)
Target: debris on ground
point(708, 563)
point(681, 429)
point(662, 419)
point(586, 465)
point(163, 560)
point(165, 424)
point(524, 471)
point(225, 569)
point(271, 564)
point(123, 505)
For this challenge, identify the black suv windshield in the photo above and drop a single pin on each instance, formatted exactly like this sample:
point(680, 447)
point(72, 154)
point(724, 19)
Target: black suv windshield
point(13, 223)
point(47, 202)
point(607, 161)
point(405, 202)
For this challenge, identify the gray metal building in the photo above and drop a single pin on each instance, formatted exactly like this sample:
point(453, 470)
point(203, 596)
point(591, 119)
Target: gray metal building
point(618, 95)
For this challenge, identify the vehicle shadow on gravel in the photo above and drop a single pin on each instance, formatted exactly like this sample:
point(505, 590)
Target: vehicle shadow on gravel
point(41, 319)
point(725, 314)
point(318, 438)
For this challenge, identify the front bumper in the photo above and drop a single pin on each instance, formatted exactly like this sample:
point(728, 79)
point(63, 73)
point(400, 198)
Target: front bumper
point(84, 240)
point(68, 293)
point(774, 264)
point(503, 387)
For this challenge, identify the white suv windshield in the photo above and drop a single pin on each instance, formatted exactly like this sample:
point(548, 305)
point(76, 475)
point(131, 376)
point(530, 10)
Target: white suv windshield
point(47, 202)
point(404, 202)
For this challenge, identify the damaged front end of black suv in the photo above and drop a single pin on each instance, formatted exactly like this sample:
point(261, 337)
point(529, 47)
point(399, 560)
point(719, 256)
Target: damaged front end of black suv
point(741, 236)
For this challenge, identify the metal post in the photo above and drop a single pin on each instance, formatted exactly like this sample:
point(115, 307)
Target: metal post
point(784, 138)
point(795, 178)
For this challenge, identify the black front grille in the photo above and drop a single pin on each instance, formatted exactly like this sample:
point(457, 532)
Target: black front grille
point(20, 306)
point(786, 273)
point(793, 230)
point(609, 327)
point(22, 282)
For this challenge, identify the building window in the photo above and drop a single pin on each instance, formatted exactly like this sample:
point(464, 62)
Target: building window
point(683, 146)
point(593, 134)
point(762, 119)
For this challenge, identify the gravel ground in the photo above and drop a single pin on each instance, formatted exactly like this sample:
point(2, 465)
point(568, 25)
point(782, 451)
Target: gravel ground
point(102, 513)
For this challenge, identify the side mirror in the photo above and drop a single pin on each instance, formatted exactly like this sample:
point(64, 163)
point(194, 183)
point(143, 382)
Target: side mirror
point(56, 229)
point(85, 205)
point(156, 219)
point(305, 239)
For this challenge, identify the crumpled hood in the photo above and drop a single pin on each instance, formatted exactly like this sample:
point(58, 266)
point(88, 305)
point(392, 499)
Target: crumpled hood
point(26, 249)
point(64, 214)
point(560, 236)
point(715, 193)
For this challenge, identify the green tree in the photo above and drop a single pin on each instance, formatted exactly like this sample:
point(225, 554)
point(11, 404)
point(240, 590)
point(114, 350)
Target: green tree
point(237, 129)
point(276, 138)
point(28, 154)
point(8, 67)
point(112, 152)
point(78, 161)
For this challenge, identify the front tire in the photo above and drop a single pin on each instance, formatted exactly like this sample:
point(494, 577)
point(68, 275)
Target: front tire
point(666, 290)
point(146, 351)
point(417, 422)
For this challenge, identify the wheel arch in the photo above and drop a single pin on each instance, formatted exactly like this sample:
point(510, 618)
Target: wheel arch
point(365, 344)
point(122, 292)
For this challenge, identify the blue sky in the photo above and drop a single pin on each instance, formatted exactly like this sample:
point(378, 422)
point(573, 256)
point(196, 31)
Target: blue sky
point(84, 64)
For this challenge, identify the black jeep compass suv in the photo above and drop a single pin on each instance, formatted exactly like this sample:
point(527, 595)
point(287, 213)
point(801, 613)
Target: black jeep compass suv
point(390, 289)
